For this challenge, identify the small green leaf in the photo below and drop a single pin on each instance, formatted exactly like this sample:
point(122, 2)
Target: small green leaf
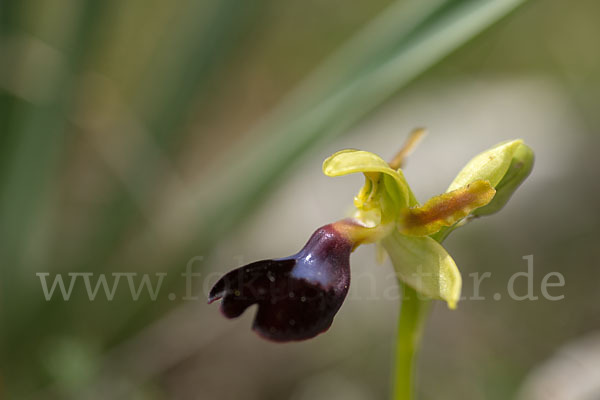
point(424, 264)
point(491, 165)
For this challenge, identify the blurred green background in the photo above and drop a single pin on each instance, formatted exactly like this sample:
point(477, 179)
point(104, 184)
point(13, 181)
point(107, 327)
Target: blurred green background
point(144, 136)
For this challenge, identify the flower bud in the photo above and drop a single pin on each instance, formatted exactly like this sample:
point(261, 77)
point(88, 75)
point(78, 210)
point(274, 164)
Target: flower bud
point(519, 169)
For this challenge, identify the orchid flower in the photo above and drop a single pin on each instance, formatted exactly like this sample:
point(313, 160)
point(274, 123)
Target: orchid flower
point(298, 296)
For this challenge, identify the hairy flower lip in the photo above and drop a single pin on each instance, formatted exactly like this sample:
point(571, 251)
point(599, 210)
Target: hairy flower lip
point(297, 296)
point(220, 289)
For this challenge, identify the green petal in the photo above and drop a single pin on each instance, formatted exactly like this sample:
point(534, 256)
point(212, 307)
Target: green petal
point(491, 165)
point(424, 264)
point(351, 161)
point(445, 209)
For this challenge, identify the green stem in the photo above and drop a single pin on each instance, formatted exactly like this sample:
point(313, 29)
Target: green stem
point(413, 313)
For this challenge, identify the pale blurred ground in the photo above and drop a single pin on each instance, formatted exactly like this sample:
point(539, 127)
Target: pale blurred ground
point(571, 373)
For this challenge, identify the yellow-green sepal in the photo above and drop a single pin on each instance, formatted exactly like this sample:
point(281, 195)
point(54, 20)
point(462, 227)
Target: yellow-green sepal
point(351, 161)
point(424, 264)
point(445, 209)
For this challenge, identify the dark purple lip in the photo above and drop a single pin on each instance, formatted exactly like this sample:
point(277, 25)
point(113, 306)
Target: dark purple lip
point(297, 296)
